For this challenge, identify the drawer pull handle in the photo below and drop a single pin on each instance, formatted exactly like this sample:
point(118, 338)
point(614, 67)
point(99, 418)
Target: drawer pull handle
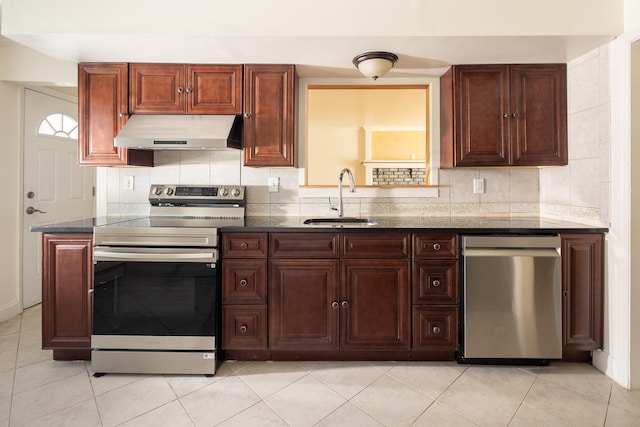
point(335, 304)
point(243, 282)
point(436, 246)
point(436, 283)
point(244, 245)
point(243, 329)
point(436, 329)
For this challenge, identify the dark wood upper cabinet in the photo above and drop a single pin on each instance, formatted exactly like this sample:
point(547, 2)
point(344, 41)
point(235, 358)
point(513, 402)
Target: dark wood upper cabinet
point(102, 112)
point(503, 115)
point(269, 98)
point(185, 89)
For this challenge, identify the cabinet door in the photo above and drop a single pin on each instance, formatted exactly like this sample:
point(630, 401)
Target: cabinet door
point(539, 104)
point(375, 304)
point(269, 97)
point(214, 89)
point(244, 281)
point(67, 276)
point(157, 88)
point(481, 104)
point(583, 290)
point(303, 300)
point(435, 282)
point(102, 112)
point(435, 328)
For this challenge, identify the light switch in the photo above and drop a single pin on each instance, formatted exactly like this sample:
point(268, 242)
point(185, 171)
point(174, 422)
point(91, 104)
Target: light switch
point(128, 182)
point(274, 184)
point(478, 186)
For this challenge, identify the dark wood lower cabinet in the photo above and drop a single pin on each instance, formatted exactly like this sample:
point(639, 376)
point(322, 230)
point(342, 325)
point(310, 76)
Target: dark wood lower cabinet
point(375, 304)
point(67, 277)
point(303, 295)
point(583, 292)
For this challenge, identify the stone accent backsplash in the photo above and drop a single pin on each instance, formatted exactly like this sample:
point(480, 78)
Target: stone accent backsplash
point(399, 176)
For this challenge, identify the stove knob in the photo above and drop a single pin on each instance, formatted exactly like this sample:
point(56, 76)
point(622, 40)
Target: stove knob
point(157, 191)
point(224, 192)
point(235, 192)
point(169, 191)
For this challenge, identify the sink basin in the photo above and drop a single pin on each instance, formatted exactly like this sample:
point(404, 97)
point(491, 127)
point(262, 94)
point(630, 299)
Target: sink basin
point(340, 221)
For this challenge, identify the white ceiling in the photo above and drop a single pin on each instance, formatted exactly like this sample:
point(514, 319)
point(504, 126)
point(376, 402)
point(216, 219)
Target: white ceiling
point(314, 46)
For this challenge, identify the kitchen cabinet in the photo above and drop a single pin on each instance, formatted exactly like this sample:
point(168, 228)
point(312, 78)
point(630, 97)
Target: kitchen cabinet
point(327, 293)
point(269, 98)
point(583, 291)
point(185, 89)
point(503, 115)
point(102, 112)
point(67, 278)
point(244, 293)
point(435, 292)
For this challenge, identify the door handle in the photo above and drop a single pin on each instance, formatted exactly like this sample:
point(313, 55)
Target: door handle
point(30, 210)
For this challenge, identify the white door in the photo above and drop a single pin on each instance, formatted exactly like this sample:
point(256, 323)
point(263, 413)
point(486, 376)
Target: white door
point(55, 188)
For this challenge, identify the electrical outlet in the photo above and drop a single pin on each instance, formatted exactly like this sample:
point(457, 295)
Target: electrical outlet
point(274, 184)
point(478, 186)
point(128, 182)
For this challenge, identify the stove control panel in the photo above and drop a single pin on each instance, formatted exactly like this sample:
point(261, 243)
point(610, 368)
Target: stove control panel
point(169, 193)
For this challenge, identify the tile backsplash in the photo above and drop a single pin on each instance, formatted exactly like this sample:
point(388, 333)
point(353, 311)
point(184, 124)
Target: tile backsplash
point(578, 191)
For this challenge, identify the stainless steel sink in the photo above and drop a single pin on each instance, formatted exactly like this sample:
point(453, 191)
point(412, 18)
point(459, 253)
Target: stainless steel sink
point(346, 221)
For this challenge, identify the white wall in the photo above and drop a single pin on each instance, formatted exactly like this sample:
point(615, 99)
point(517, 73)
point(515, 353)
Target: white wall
point(10, 214)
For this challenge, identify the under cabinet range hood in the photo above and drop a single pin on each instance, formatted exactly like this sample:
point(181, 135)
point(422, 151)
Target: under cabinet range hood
point(181, 132)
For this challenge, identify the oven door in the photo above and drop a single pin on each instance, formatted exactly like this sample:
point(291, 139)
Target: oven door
point(141, 293)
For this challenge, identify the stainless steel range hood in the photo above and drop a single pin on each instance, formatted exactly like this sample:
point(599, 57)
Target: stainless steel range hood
point(181, 132)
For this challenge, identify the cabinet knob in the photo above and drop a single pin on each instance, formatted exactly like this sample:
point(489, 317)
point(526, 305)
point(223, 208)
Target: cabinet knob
point(436, 329)
point(506, 115)
point(436, 246)
point(345, 304)
point(243, 282)
point(121, 114)
point(565, 293)
point(244, 245)
point(188, 89)
point(243, 329)
point(335, 304)
point(436, 283)
point(180, 89)
point(247, 115)
point(514, 115)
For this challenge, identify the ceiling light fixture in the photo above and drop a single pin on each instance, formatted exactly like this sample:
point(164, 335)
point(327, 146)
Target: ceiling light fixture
point(375, 64)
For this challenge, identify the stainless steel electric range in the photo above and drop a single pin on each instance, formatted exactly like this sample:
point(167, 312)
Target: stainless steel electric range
point(156, 295)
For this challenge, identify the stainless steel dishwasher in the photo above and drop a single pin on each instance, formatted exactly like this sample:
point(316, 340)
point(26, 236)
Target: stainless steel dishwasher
point(512, 299)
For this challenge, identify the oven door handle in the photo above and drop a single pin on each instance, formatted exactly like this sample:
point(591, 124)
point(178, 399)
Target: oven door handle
point(101, 253)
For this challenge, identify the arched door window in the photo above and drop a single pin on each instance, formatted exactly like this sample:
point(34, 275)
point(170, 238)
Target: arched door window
point(60, 125)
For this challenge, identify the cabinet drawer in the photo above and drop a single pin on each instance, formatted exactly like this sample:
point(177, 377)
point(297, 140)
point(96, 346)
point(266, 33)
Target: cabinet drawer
point(435, 246)
point(244, 245)
point(303, 245)
point(375, 245)
point(244, 281)
point(435, 328)
point(435, 282)
point(245, 327)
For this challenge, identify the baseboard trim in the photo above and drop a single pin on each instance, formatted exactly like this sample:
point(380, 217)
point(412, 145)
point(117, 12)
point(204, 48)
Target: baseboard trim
point(9, 310)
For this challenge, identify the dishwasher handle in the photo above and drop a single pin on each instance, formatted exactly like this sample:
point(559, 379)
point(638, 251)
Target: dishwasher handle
point(511, 242)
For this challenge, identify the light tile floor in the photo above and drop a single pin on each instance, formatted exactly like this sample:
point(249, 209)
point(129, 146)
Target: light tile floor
point(36, 391)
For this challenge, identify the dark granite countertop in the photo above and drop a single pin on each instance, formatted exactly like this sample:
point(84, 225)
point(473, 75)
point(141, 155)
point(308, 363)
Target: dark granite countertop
point(81, 225)
point(479, 225)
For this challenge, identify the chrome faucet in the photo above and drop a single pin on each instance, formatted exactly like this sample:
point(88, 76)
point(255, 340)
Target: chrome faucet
point(352, 189)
